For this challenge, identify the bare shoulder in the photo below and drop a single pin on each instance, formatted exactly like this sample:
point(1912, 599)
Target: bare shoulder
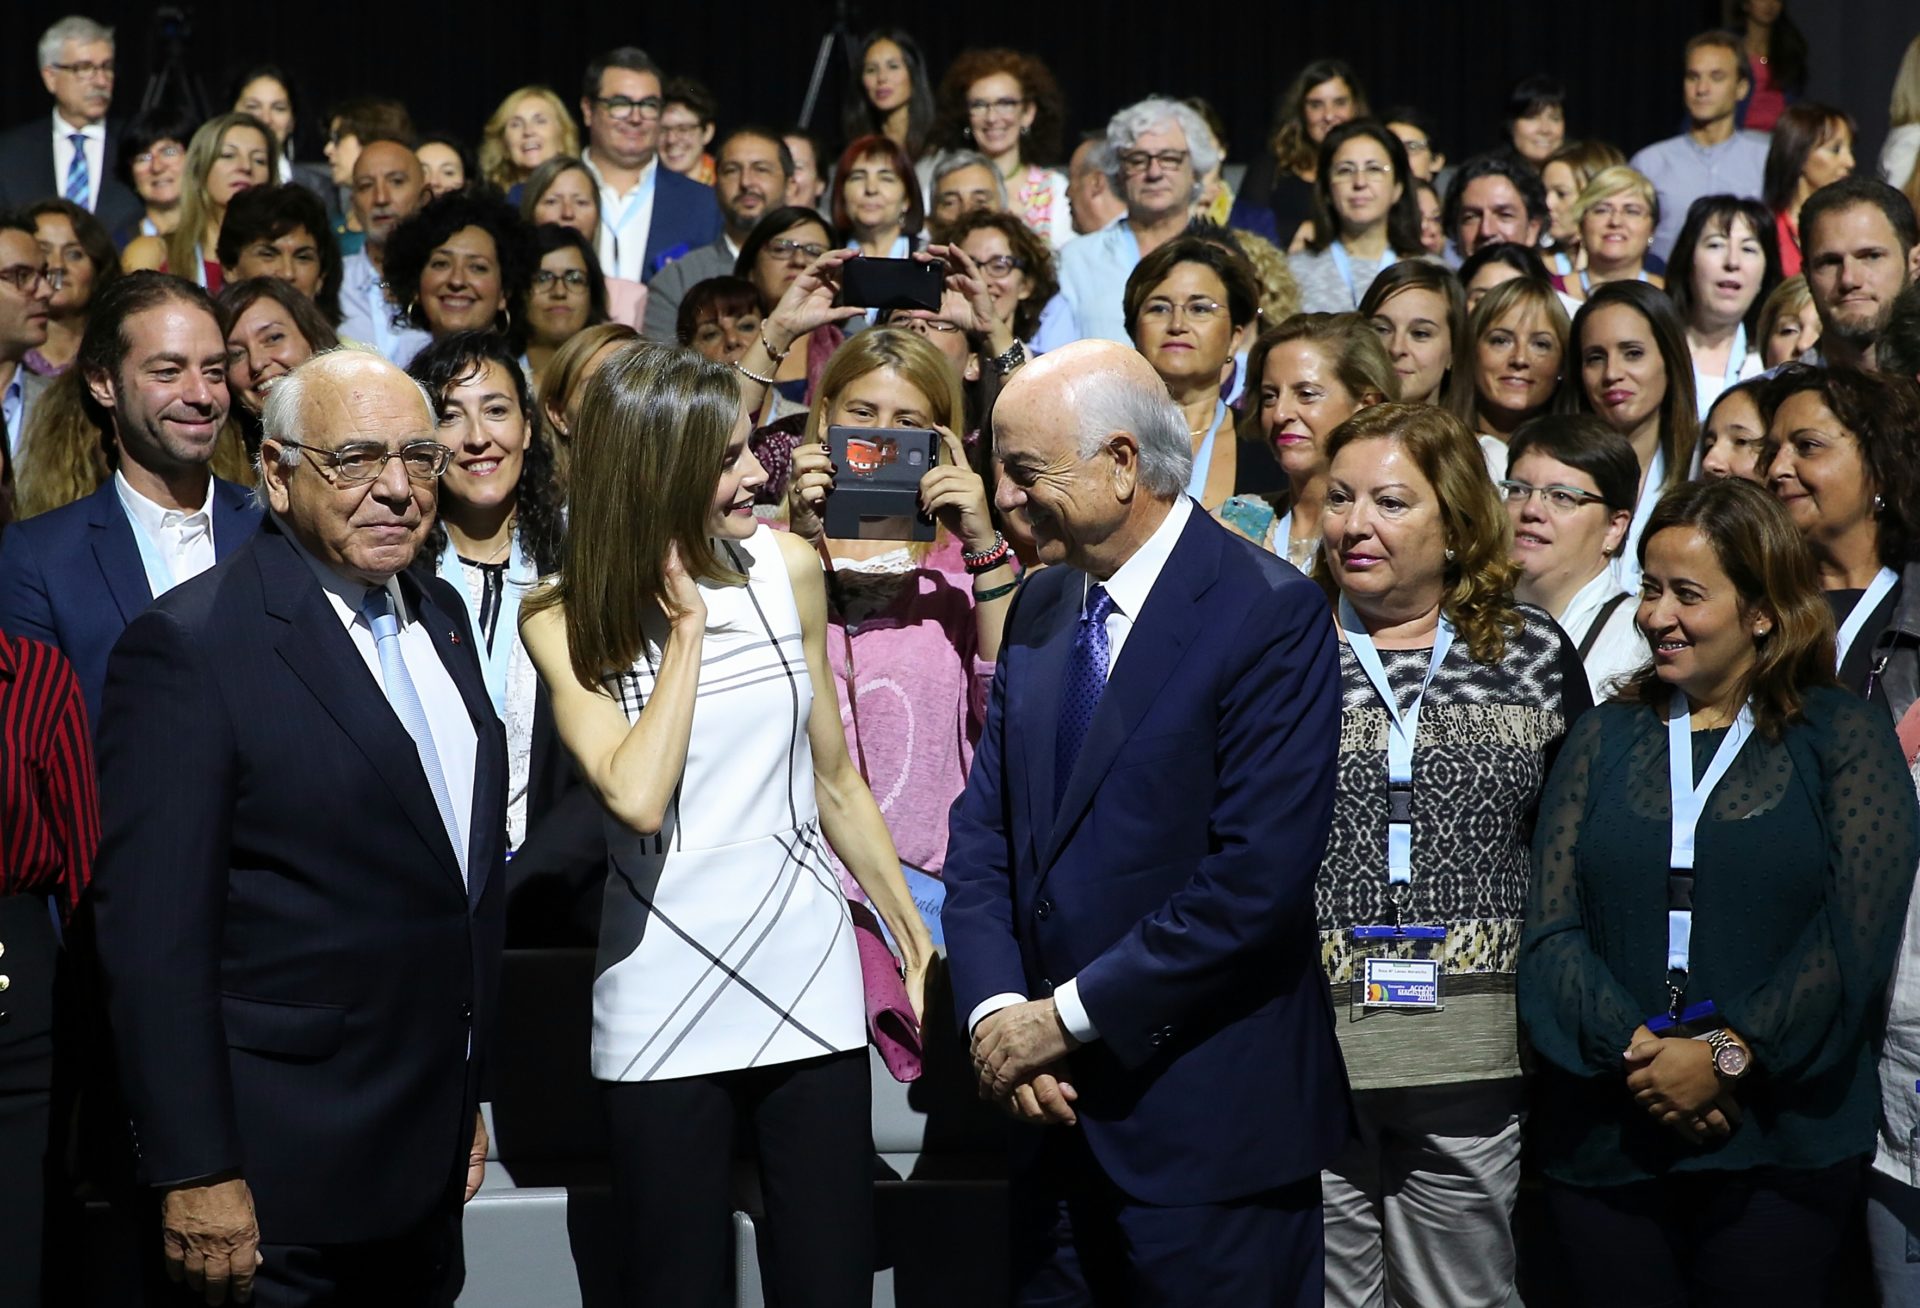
point(801, 558)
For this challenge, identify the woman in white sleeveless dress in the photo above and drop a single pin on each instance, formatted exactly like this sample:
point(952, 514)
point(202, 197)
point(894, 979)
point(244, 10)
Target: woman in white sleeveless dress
point(684, 647)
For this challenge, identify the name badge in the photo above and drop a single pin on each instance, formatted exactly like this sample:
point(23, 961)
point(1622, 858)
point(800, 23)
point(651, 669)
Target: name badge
point(1401, 983)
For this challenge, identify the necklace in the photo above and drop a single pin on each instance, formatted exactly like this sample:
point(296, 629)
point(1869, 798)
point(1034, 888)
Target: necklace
point(500, 549)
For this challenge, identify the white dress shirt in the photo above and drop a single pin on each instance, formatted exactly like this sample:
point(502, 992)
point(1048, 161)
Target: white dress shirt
point(174, 545)
point(454, 738)
point(13, 406)
point(1128, 588)
point(366, 315)
point(96, 147)
point(626, 220)
point(1619, 648)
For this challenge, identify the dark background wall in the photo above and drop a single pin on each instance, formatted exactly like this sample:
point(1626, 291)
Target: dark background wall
point(452, 62)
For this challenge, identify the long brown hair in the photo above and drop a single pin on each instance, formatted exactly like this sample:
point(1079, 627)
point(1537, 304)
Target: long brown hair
point(1761, 551)
point(1680, 410)
point(648, 449)
point(1480, 575)
point(196, 206)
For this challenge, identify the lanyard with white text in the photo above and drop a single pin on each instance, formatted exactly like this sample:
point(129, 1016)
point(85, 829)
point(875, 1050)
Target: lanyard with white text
point(1883, 581)
point(1402, 728)
point(1689, 801)
point(1203, 460)
point(1343, 263)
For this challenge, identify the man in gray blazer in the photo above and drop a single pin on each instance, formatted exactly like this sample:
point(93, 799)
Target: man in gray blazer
point(751, 171)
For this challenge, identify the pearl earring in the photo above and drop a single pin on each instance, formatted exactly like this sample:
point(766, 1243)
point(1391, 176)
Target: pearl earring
point(1449, 555)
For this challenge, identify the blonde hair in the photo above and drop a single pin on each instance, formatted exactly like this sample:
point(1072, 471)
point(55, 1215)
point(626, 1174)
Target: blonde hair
point(1905, 105)
point(1279, 293)
point(907, 353)
point(1609, 182)
point(184, 250)
point(1789, 297)
point(496, 165)
point(565, 373)
point(1584, 159)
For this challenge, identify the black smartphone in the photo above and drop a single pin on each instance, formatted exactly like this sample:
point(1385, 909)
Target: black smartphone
point(876, 490)
point(892, 284)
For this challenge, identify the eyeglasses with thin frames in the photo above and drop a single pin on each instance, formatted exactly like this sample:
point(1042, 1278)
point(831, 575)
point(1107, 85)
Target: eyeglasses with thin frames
point(1560, 500)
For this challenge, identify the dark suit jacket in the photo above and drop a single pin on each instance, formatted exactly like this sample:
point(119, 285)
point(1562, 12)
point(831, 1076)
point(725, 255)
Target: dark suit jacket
point(1176, 880)
point(685, 216)
point(73, 577)
point(294, 967)
point(27, 176)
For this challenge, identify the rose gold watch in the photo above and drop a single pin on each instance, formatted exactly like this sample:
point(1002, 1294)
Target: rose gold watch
point(1730, 1058)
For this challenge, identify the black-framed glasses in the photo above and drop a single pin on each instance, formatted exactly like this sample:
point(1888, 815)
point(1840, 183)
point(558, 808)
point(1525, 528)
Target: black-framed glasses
point(620, 107)
point(922, 325)
point(1558, 499)
point(24, 277)
point(1136, 161)
point(782, 248)
point(1006, 107)
point(359, 462)
point(86, 69)
point(572, 278)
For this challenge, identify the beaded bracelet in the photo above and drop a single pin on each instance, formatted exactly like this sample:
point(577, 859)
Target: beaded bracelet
point(988, 559)
point(778, 356)
point(741, 368)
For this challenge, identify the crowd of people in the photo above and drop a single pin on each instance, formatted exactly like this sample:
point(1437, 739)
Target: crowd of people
point(433, 550)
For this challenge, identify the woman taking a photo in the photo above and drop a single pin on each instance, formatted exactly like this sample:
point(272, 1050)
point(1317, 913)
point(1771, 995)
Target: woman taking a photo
point(226, 156)
point(1508, 364)
point(1732, 831)
point(1017, 267)
point(1365, 217)
point(718, 831)
point(1454, 700)
point(1420, 311)
point(1812, 145)
point(1306, 377)
point(783, 248)
point(1725, 264)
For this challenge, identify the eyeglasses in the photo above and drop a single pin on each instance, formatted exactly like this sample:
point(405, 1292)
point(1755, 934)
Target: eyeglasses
point(573, 279)
point(782, 248)
point(1560, 500)
point(359, 463)
point(168, 153)
point(1198, 312)
point(87, 70)
point(1416, 144)
point(1347, 174)
point(619, 107)
point(1606, 209)
point(1137, 161)
point(1005, 108)
point(922, 325)
point(24, 277)
point(1000, 265)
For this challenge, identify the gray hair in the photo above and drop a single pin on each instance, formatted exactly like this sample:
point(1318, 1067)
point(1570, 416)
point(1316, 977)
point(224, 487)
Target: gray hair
point(280, 418)
point(952, 161)
point(1125, 127)
point(1109, 401)
point(77, 28)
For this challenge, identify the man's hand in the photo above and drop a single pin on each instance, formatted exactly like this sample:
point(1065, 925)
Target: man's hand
point(1047, 1100)
point(477, 1157)
point(211, 1239)
point(1010, 1046)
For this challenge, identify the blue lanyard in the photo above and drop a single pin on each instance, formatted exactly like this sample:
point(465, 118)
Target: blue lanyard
point(1203, 461)
point(1584, 285)
point(1401, 731)
point(642, 195)
point(1689, 801)
point(520, 578)
point(1343, 262)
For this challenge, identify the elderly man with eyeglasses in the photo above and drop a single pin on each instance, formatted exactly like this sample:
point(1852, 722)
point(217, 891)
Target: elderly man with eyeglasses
point(1158, 150)
point(301, 942)
point(75, 156)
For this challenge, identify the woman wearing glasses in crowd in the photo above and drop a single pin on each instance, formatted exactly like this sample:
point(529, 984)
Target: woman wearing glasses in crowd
point(530, 126)
point(1615, 214)
point(1508, 364)
point(1636, 376)
point(1365, 218)
point(1570, 487)
point(1454, 702)
point(780, 251)
point(226, 156)
point(1305, 378)
point(153, 164)
point(1724, 266)
point(891, 94)
point(79, 252)
point(1278, 196)
point(562, 191)
point(1846, 464)
point(1735, 838)
point(463, 263)
point(568, 294)
point(1812, 145)
point(1565, 174)
point(1017, 267)
point(713, 1014)
point(1419, 310)
point(1006, 105)
point(1733, 439)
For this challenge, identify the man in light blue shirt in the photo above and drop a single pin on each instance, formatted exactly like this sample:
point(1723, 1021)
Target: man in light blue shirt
point(1710, 157)
point(1158, 150)
point(388, 186)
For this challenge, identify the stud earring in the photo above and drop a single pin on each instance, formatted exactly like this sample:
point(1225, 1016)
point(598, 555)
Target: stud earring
point(1878, 504)
point(1449, 555)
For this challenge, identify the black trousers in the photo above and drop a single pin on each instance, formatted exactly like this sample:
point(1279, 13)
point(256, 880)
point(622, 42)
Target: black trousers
point(30, 1173)
point(673, 1146)
point(1748, 1239)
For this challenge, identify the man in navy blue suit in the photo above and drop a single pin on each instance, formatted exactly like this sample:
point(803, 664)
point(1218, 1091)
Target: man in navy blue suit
point(646, 211)
point(155, 364)
point(299, 893)
point(1129, 915)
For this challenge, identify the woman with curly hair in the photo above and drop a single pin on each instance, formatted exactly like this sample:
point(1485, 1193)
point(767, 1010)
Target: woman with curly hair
point(1277, 197)
point(1455, 700)
point(530, 126)
point(463, 263)
point(1016, 264)
point(1007, 106)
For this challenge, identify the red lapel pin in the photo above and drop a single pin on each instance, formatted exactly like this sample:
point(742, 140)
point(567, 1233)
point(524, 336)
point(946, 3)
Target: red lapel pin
point(454, 636)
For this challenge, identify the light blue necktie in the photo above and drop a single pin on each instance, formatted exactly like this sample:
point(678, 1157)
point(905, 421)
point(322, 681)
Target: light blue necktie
point(79, 183)
point(378, 609)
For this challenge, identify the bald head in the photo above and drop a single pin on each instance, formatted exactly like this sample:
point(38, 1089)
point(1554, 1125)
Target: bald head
point(1094, 452)
point(388, 185)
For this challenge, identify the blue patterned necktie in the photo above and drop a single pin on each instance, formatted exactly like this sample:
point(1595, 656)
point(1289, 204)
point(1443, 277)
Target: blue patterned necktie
point(398, 683)
point(1082, 687)
point(79, 183)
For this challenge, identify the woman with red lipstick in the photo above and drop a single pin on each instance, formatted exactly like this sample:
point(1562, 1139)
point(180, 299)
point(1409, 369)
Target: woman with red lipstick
point(1734, 838)
point(1508, 363)
point(1725, 264)
point(1637, 377)
point(1419, 310)
point(1305, 377)
point(1454, 702)
point(226, 156)
point(891, 94)
point(1615, 214)
point(1846, 464)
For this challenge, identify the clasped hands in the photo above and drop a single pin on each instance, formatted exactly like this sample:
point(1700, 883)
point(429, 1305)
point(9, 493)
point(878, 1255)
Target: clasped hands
point(1019, 1055)
point(1674, 1080)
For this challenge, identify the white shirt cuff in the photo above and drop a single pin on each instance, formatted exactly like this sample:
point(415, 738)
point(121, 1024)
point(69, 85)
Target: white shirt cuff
point(990, 1005)
point(1073, 1014)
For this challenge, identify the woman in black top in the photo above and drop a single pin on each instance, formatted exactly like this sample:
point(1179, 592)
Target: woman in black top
point(1278, 196)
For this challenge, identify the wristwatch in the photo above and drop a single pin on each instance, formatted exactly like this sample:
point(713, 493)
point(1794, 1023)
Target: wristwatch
point(1730, 1057)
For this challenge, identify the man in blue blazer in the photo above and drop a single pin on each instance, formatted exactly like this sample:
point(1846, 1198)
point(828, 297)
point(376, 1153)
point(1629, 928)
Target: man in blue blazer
point(647, 210)
point(1129, 915)
point(299, 893)
point(155, 364)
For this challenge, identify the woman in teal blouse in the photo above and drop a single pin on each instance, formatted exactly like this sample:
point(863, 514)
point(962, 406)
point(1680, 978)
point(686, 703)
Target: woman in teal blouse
point(1722, 1169)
